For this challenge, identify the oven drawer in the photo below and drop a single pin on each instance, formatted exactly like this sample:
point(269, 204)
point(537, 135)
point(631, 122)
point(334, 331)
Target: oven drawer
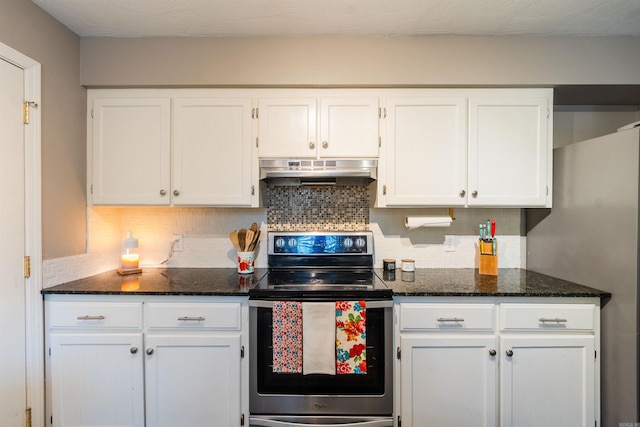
point(95, 315)
point(547, 317)
point(446, 317)
point(194, 316)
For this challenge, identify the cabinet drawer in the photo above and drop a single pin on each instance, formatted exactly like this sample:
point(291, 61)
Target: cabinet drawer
point(222, 316)
point(547, 316)
point(83, 315)
point(446, 317)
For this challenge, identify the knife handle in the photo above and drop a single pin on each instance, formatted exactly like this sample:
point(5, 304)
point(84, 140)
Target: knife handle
point(493, 227)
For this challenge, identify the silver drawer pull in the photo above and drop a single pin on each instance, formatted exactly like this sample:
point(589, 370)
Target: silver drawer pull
point(90, 317)
point(187, 318)
point(556, 320)
point(450, 319)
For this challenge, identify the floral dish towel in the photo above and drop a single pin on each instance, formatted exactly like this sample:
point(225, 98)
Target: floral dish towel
point(351, 337)
point(287, 337)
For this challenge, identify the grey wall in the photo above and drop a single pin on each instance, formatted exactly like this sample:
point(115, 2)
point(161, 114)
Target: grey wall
point(29, 30)
point(436, 60)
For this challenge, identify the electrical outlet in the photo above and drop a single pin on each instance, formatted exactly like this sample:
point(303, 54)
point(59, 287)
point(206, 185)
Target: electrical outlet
point(449, 243)
point(177, 243)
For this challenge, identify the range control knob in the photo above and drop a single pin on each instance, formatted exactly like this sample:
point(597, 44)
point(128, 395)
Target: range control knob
point(360, 242)
point(280, 242)
point(292, 243)
point(347, 242)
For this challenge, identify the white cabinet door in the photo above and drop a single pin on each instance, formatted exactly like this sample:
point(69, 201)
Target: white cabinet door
point(509, 151)
point(287, 127)
point(130, 151)
point(348, 127)
point(425, 154)
point(97, 380)
point(193, 380)
point(212, 152)
point(448, 381)
point(344, 127)
point(547, 381)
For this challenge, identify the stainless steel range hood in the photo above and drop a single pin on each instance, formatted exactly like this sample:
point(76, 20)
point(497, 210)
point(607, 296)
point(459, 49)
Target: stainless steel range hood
point(318, 172)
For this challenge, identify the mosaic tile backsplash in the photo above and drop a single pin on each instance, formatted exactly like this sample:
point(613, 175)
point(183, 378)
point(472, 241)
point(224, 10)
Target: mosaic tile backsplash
point(317, 208)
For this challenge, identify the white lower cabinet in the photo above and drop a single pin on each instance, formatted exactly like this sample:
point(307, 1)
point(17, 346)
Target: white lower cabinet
point(448, 381)
point(96, 379)
point(547, 381)
point(176, 362)
point(498, 363)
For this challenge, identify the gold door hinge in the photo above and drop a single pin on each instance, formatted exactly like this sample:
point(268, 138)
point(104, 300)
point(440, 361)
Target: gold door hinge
point(25, 110)
point(27, 266)
point(28, 417)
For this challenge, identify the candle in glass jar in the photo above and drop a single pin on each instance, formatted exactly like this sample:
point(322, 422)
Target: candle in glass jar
point(129, 261)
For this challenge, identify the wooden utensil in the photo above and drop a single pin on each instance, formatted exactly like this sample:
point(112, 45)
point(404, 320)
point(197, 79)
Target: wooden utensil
point(254, 227)
point(233, 236)
point(254, 243)
point(248, 240)
point(242, 238)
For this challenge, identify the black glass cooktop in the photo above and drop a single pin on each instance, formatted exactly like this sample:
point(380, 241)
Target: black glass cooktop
point(317, 283)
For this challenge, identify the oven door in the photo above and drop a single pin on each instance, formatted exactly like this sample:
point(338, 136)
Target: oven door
point(368, 395)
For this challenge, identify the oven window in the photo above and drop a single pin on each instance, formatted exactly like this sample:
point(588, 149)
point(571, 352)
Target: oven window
point(278, 383)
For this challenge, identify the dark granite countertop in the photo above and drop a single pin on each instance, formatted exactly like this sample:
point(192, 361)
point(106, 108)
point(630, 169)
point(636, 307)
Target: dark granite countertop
point(164, 281)
point(513, 282)
point(423, 282)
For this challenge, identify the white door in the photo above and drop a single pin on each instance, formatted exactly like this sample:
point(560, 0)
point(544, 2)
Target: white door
point(508, 151)
point(212, 156)
point(426, 152)
point(348, 127)
point(193, 380)
point(12, 251)
point(547, 381)
point(97, 380)
point(131, 147)
point(287, 127)
point(448, 381)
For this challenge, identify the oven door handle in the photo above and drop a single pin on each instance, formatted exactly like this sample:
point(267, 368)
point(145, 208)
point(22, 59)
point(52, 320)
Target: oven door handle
point(262, 422)
point(370, 304)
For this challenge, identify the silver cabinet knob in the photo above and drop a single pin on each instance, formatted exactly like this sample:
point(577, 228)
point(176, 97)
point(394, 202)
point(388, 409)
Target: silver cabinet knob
point(492, 352)
point(509, 353)
point(312, 145)
point(149, 351)
point(133, 350)
point(474, 194)
point(325, 144)
point(462, 193)
point(163, 192)
point(176, 192)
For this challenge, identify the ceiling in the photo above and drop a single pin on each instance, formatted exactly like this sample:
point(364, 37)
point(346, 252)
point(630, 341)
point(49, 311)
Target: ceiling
point(218, 18)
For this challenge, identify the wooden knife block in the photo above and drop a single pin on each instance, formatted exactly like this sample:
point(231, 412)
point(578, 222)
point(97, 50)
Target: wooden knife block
point(488, 265)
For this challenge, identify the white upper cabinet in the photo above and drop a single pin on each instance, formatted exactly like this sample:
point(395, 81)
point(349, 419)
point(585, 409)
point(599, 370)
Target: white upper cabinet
point(171, 147)
point(509, 150)
point(349, 127)
point(211, 159)
point(467, 147)
point(130, 150)
point(287, 127)
point(341, 127)
point(426, 149)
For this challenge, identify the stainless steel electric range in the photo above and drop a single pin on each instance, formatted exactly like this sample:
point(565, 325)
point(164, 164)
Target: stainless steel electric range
point(333, 269)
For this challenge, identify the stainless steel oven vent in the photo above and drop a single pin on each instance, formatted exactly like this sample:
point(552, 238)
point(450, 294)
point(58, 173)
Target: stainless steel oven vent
point(318, 172)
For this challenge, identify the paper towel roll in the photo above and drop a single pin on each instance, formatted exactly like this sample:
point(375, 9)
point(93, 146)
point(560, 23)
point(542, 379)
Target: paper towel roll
point(413, 222)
